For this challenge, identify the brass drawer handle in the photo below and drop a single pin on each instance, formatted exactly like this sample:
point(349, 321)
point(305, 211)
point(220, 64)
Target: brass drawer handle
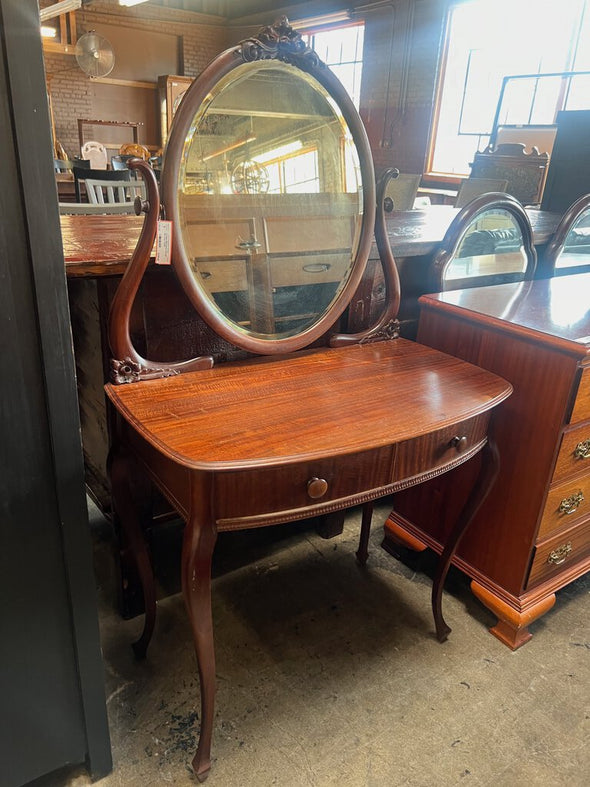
point(558, 556)
point(317, 267)
point(582, 450)
point(317, 487)
point(570, 504)
point(460, 443)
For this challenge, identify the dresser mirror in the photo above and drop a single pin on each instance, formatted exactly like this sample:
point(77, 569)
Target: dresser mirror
point(268, 182)
point(488, 242)
point(569, 249)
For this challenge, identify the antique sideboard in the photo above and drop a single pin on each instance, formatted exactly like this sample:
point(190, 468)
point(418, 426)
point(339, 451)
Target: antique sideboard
point(532, 535)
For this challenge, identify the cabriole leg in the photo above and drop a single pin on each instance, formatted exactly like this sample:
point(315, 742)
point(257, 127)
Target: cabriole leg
point(490, 465)
point(200, 536)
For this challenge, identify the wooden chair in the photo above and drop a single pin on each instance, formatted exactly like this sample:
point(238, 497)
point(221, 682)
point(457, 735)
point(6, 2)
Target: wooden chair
point(96, 153)
point(525, 173)
point(401, 191)
point(81, 174)
point(568, 251)
point(474, 187)
point(283, 436)
point(114, 192)
point(490, 241)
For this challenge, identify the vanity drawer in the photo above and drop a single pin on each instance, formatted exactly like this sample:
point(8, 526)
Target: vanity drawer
point(300, 486)
point(308, 484)
point(566, 504)
point(308, 269)
point(557, 553)
point(439, 448)
point(222, 275)
point(574, 453)
point(581, 408)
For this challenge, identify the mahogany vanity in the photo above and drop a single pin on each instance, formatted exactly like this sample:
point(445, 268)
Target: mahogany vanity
point(532, 536)
point(306, 420)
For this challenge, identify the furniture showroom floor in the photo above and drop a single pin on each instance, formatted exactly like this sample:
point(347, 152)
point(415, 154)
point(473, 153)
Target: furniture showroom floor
point(329, 674)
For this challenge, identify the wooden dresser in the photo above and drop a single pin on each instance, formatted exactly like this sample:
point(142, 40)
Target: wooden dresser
point(532, 535)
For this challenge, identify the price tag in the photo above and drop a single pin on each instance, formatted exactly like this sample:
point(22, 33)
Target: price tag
point(164, 243)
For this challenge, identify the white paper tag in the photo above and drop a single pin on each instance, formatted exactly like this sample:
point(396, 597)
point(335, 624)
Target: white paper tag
point(164, 243)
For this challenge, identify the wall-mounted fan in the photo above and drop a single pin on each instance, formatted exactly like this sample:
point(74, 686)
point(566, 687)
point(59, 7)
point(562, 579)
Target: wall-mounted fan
point(95, 54)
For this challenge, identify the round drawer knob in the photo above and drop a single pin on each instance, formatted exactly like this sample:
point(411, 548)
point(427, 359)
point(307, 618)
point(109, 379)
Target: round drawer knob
point(317, 487)
point(460, 443)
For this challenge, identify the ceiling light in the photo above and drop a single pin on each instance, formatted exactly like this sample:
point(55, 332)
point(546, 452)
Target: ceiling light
point(59, 8)
point(131, 2)
point(48, 32)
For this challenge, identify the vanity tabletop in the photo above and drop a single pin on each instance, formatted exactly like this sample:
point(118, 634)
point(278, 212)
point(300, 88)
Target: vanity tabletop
point(308, 405)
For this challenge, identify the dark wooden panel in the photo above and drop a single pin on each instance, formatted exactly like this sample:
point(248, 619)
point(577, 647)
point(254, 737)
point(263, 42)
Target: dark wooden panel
point(569, 169)
point(53, 707)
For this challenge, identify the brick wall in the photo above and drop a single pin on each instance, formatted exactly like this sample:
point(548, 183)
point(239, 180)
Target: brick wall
point(202, 37)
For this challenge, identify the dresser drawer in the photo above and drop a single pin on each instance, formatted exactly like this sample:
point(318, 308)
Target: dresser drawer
point(574, 453)
point(299, 486)
point(559, 552)
point(581, 408)
point(439, 448)
point(566, 504)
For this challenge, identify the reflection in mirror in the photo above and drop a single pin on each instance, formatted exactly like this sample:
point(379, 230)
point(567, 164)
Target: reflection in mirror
point(269, 199)
point(576, 249)
point(491, 248)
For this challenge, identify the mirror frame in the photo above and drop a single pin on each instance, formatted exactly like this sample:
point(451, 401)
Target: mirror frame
point(557, 243)
point(281, 43)
point(465, 217)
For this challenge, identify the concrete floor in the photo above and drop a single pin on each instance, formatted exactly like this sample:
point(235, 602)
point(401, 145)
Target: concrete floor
point(329, 674)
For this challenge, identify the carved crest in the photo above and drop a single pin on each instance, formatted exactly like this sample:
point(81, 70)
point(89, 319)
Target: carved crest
point(280, 42)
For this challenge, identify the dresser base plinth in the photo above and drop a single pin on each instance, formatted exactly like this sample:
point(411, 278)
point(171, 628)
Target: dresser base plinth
point(512, 625)
point(396, 536)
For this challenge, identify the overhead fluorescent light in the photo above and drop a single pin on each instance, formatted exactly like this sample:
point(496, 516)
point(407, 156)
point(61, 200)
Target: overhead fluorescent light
point(321, 19)
point(59, 8)
point(131, 2)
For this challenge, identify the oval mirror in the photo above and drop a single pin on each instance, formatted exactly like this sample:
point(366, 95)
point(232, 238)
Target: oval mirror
point(491, 246)
point(489, 242)
point(268, 183)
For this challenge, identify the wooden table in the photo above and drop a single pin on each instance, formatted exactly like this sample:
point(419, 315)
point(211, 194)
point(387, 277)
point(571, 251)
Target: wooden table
point(98, 246)
point(102, 246)
point(532, 536)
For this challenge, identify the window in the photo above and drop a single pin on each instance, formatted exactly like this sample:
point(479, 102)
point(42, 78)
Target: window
point(341, 49)
point(487, 41)
point(292, 171)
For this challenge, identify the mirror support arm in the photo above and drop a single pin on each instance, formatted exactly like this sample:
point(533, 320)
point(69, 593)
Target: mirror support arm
point(387, 327)
point(127, 365)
